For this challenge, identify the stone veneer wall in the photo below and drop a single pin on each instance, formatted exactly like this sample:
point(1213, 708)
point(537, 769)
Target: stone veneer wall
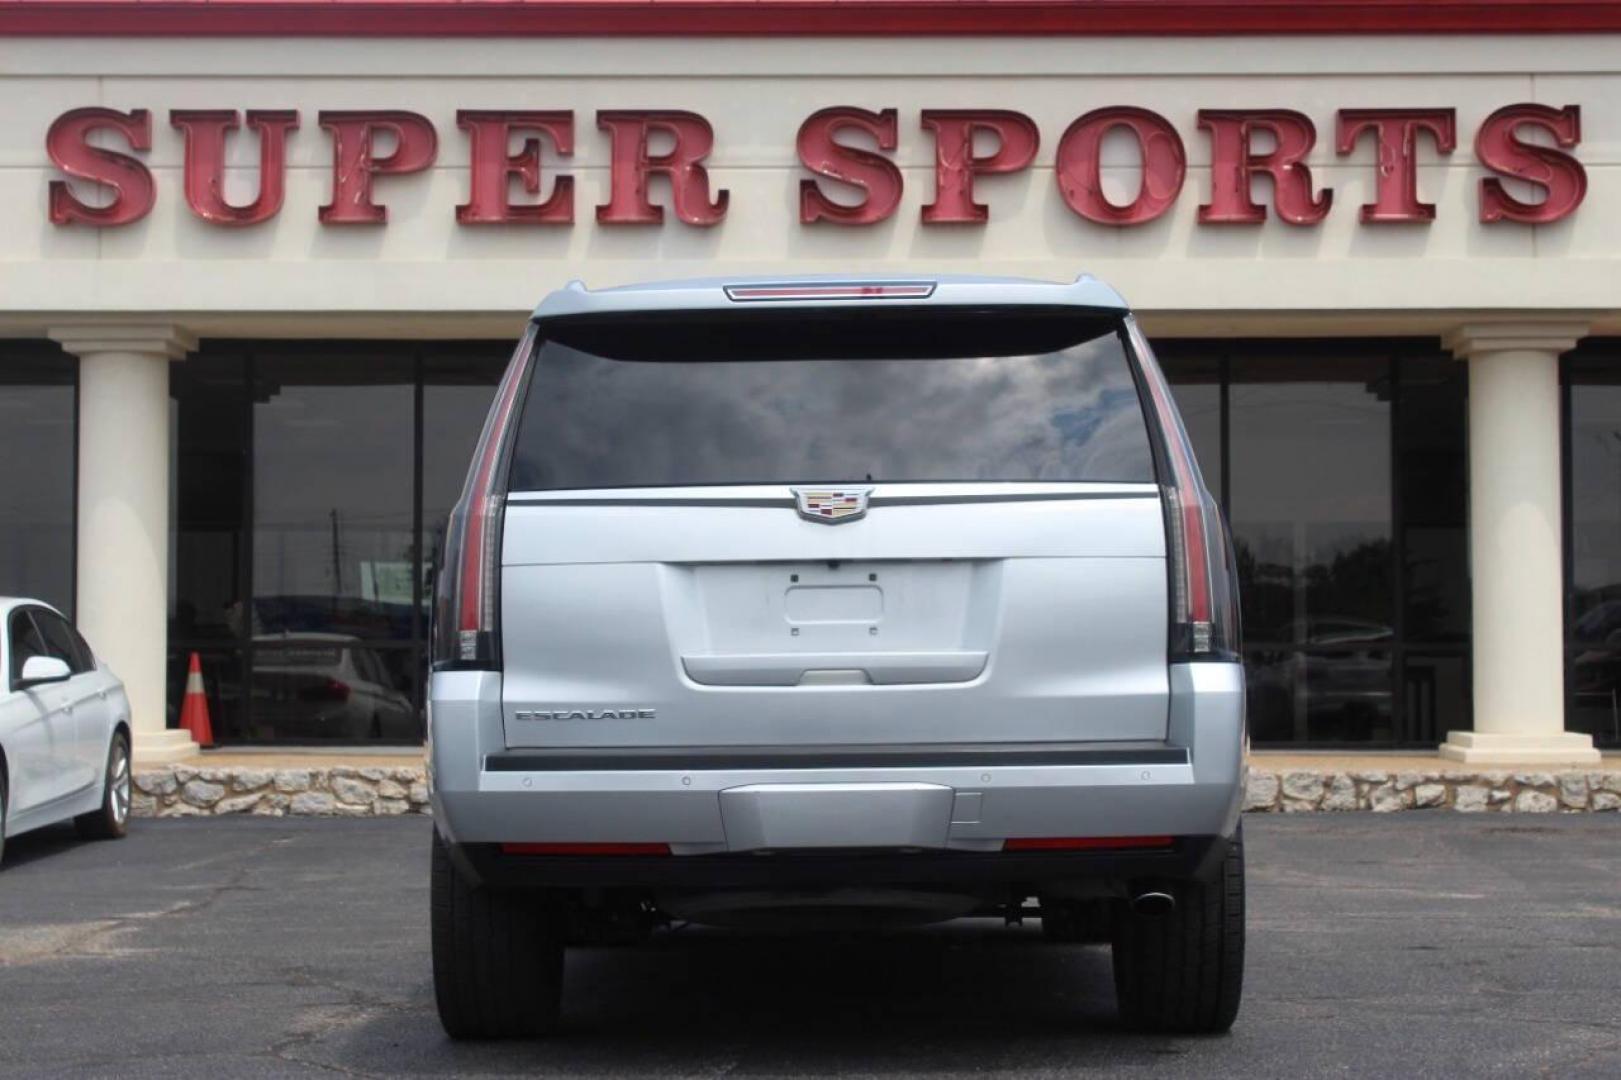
point(338, 791)
point(365, 791)
point(1453, 788)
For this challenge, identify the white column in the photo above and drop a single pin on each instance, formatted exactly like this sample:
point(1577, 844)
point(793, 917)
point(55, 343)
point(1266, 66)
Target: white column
point(1515, 548)
point(123, 537)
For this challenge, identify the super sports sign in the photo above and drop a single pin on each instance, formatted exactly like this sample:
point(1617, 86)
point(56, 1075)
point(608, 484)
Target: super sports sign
point(844, 149)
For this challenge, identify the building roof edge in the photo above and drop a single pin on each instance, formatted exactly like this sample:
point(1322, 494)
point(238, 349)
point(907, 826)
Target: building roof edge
point(769, 18)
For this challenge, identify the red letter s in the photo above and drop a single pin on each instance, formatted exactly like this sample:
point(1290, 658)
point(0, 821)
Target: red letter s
point(878, 176)
point(1561, 175)
point(68, 146)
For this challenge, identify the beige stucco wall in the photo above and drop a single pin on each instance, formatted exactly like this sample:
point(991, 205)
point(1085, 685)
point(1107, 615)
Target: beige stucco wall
point(1340, 276)
point(1525, 294)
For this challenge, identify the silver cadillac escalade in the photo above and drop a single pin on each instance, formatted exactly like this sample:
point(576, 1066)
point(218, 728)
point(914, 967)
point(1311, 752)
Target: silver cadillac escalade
point(830, 602)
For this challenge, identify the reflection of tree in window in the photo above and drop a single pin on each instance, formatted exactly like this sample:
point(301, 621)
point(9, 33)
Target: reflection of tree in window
point(1594, 543)
point(333, 479)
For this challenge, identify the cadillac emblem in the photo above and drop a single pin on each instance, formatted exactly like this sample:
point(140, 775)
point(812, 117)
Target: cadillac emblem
point(832, 506)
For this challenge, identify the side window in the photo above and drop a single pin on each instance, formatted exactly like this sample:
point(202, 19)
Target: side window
point(60, 639)
point(85, 653)
point(26, 643)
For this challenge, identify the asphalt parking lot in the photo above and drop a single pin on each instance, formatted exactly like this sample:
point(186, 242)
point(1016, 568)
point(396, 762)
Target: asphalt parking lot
point(1419, 944)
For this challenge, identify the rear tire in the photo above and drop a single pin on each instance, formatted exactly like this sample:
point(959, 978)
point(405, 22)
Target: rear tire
point(497, 957)
point(111, 820)
point(4, 797)
point(1184, 972)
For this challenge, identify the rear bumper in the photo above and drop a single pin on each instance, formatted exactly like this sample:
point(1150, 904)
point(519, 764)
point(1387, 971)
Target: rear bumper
point(950, 807)
point(1191, 857)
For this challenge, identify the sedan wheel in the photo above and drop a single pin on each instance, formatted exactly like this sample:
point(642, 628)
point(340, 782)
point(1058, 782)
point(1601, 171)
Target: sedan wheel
point(118, 781)
point(111, 819)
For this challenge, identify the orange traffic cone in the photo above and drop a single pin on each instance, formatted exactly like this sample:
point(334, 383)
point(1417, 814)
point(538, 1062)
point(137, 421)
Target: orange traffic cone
point(194, 706)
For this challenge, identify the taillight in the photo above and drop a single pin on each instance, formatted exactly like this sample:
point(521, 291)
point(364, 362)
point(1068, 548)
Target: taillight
point(466, 601)
point(1204, 594)
point(326, 690)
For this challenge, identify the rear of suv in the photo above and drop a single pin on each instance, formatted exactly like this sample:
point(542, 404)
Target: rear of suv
point(835, 603)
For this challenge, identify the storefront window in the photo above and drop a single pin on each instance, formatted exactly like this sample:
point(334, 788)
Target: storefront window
point(334, 548)
point(457, 385)
point(1432, 521)
point(1310, 506)
point(456, 390)
point(333, 544)
point(312, 481)
point(38, 415)
point(1593, 541)
point(1341, 469)
point(212, 452)
point(1200, 398)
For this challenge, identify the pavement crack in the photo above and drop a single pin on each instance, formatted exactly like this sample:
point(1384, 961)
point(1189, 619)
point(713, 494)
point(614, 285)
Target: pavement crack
point(314, 1023)
point(1592, 1054)
point(354, 997)
point(103, 938)
point(285, 1052)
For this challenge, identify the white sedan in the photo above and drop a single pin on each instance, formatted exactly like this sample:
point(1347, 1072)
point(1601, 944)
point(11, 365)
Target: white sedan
point(64, 728)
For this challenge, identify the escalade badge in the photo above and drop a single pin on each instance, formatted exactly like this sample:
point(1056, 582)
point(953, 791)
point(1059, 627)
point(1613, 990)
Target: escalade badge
point(832, 506)
point(583, 714)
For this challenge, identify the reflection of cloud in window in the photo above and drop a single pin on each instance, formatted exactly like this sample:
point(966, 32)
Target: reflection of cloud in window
point(1067, 415)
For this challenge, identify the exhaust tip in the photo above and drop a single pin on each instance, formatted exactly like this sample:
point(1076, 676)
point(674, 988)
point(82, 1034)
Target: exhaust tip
point(1153, 904)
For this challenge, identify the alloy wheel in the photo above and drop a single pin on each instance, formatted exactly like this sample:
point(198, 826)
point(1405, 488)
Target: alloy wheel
point(119, 780)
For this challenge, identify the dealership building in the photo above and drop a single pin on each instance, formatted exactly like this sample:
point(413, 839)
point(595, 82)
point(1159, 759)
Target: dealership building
point(262, 264)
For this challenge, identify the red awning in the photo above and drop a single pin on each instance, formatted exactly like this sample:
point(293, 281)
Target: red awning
point(553, 18)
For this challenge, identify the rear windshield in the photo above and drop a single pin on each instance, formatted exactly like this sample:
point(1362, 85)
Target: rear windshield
point(842, 396)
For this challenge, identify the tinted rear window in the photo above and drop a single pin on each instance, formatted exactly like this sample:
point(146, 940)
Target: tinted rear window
point(850, 395)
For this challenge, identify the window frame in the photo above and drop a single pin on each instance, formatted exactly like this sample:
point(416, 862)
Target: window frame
point(44, 619)
point(14, 659)
point(1569, 362)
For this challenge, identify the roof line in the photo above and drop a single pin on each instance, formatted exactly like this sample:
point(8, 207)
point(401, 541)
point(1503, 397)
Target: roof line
point(836, 18)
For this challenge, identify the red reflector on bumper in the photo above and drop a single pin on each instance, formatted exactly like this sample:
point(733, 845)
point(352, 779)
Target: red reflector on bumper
point(1086, 843)
point(585, 849)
